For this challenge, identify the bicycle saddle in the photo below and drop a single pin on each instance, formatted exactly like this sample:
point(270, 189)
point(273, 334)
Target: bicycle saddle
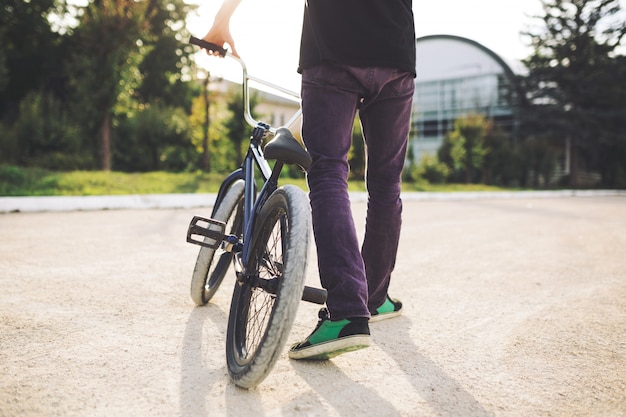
point(284, 147)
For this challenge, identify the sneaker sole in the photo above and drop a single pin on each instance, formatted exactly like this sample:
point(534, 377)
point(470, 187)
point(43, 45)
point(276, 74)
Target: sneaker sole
point(330, 349)
point(385, 316)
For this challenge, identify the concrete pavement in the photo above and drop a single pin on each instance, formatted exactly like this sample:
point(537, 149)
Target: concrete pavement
point(513, 307)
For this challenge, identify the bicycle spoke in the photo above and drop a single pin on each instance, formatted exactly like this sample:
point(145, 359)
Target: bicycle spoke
point(258, 317)
point(261, 302)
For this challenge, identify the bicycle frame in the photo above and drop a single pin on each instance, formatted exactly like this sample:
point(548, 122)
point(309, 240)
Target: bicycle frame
point(254, 156)
point(252, 201)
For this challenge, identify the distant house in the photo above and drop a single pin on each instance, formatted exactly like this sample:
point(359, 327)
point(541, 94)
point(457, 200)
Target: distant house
point(457, 76)
point(273, 109)
point(277, 110)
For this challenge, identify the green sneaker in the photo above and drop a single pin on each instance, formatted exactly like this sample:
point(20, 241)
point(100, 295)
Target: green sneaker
point(391, 308)
point(332, 338)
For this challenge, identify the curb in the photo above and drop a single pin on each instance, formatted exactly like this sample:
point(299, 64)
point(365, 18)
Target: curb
point(185, 201)
point(109, 202)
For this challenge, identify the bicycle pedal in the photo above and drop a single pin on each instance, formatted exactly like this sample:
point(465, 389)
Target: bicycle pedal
point(211, 231)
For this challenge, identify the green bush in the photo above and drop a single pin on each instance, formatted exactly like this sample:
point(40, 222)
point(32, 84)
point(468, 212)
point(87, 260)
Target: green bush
point(12, 176)
point(432, 170)
point(156, 138)
point(16, 181)
point(43, 136)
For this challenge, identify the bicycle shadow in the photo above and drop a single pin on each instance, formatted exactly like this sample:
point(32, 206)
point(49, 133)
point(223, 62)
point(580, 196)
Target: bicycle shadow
point(332, 383)
point(203, 367)
point(443, 394)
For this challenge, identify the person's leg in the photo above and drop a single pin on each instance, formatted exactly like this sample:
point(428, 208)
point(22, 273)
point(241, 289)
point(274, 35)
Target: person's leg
point(386, 121)
point(330, 96)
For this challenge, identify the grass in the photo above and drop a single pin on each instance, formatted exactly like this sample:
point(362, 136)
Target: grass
point(15, 181)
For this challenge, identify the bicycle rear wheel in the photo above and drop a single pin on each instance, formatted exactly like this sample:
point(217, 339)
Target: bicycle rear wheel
point(260, 319)
point(212, 264)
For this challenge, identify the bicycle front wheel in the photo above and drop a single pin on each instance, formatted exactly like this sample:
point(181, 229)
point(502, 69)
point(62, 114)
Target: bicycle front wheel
point(212, 264)
point(260, 320)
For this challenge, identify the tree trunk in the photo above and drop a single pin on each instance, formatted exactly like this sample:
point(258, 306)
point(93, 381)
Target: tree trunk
point(574, 168)
point(206, 162)
point(469, 173)
point(105, 142)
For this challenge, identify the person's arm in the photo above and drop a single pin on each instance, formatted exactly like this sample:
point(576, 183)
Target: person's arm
point(219, 33)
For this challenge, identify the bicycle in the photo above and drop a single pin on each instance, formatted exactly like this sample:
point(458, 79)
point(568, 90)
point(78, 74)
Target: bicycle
point(265, 236)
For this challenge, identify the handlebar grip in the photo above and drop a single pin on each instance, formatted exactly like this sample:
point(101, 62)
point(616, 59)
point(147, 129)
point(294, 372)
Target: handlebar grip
point(207, 45)
point(314, 295)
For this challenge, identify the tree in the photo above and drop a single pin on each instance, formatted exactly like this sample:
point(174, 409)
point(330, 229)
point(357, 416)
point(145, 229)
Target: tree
point(36, 128)
point(465, 145)
point(43, 136)
point(28, 51)
point(73, 78)
point(502, 164)
point(105, 56)
point(156, 138)
point(165, 53)
point(577, 82)
point(238, 128)
point(149, 129)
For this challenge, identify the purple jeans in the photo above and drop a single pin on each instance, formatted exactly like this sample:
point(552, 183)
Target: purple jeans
point(356, 278)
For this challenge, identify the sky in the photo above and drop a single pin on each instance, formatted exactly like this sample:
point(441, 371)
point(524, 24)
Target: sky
point(271, 51)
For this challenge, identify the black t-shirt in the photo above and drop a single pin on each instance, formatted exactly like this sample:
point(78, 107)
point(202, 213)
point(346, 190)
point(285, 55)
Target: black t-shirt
point(361, 33)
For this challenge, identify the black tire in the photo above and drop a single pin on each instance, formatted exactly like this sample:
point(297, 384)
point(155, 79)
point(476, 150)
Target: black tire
point(259, 322)
point(212, 264)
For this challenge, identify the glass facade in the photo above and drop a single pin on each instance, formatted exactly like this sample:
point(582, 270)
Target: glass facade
point(459, 77)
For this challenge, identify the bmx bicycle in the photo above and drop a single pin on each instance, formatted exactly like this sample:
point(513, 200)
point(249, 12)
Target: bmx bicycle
point(265, 236)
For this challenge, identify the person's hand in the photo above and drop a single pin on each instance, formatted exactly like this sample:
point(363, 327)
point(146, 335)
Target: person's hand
point(220, 39)
point(220, 32)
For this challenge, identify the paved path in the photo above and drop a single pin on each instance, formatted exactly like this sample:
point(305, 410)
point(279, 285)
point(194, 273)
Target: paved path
point(513, 307)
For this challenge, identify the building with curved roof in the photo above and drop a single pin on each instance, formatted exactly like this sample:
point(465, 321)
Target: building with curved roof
point(457, 76)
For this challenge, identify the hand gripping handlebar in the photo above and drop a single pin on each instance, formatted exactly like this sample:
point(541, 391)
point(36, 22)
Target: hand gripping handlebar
point(223, 52)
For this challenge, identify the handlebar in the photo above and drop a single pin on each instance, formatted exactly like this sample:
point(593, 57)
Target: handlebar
point(208, 46)
point(246, 78)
